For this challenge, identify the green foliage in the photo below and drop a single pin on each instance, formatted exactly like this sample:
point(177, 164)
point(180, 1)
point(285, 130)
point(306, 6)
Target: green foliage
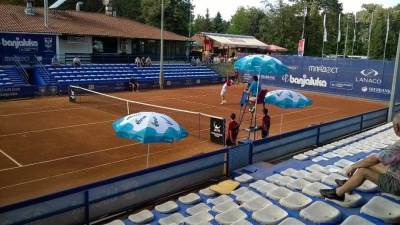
point(208, 24)
point(247, 21)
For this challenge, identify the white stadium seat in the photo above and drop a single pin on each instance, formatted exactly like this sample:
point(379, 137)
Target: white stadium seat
point(175, 218)
point(279, 193)
point(271, 214)
point(314, 188)
point(321, 212)
point(198, 218)
point(356, 220)
point(189, 199)
point(383, 209)
point(256, 204)
point(142, 217)
point(244, 178)
point(201, 207)
point(295, 200)
point(230, 216)
point(291, 221)
point(225, 206)
point(167, 207)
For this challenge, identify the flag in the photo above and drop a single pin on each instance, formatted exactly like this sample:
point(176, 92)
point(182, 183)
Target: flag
point(387, 29)
point(354, 29)
point(325, 32)
point(339, 31)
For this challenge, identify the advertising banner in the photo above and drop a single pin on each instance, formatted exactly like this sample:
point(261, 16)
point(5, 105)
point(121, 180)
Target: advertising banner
point(353, 77)
point(217, 131)
point(300, 48)
point(18, 46)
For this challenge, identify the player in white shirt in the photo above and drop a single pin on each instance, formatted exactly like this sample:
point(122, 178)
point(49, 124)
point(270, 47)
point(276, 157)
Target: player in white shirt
point(227, 84)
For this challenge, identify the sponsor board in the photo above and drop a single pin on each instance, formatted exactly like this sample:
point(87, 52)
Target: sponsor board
point(375, 90)
point(342, 85)
point(217, 130)
point(323, 69)
point(369, 76)
point(305, 81)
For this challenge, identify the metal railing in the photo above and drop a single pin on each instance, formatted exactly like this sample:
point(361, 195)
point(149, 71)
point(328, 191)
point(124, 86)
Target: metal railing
point(21, 70)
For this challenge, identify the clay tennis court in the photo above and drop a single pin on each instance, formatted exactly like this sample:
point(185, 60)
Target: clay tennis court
point(49, 144)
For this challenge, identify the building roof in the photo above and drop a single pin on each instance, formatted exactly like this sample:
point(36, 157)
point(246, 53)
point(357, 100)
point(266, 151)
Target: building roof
point(14, 19)
point(233, 40)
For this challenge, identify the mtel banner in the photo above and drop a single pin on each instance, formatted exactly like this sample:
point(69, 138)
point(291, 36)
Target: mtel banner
point(360, 78)
point(23, 46)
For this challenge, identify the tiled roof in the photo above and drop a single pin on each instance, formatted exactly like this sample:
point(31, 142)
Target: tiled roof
point(14, 19)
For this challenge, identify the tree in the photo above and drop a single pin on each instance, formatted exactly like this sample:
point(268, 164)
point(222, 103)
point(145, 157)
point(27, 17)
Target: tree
point(247, 21)
point(128, 8)
point(218, 24)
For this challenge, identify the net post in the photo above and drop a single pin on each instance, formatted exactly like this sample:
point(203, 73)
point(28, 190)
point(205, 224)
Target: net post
point(199, 124)
point(127, 107)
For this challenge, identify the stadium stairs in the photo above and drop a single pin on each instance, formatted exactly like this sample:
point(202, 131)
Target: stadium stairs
point(10, 77)
point(288, 193)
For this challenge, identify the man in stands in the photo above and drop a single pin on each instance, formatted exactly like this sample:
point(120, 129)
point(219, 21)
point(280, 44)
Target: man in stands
point(134, 85)
point(382, 169)
point(137, 61)
point(233, 131)
point(148, 61)
point(54, 61)
point(76, 61)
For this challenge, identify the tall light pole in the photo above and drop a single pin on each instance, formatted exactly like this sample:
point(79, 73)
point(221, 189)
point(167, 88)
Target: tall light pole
point(161, 81)
point(190, 33)
point(46, 13)
point(396, 74)
point(369, 33)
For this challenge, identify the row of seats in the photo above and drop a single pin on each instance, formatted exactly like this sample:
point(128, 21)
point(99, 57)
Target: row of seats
point(9, 77)
point(288, 193)
point(110, 73)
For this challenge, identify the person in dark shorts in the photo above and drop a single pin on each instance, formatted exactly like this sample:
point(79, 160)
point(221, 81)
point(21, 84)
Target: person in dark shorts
point(233, 131)
point(382, 169)
point(265, 124)
point(133, 85)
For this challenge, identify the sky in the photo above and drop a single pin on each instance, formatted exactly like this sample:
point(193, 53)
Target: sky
point(228, 7)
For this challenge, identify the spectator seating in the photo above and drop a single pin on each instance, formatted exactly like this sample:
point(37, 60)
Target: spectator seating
point(111, 73)
point(288, 192)
point(9, 77)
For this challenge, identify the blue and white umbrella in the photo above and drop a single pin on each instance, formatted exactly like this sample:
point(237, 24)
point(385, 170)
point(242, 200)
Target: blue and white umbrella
point(260, 65)
point(287, 99)
point(149, 127)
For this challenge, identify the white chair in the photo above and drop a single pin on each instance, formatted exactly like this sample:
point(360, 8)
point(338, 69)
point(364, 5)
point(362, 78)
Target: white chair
point(220, 199)
point(301, 157)
point(284, 180)
point(318, 159)
point(350, 201)
point(394, 197)
point(295, 200)
point(271, 214)
point(300, 174)
point(244, 178)
point(291, 221)
point(266, 188)
point(201, 207)
point(343, 163)
point(367, 186)
point(207, 192)
point(142, 217)
point(258, 184)
point(240, 191)
point(330, 179)
point(116, 222)
point(242, 222)
point(175, 218)
point(231, 216)
point(330, 155)
point(167, 207)
point(315, 168)
point(321, 212)
point(273, 178)
point(225, 206)
point(279, 193)
point(297, 184)
point(248, 196)
point(288, 172)
point(189, 199)
point(311, 153)
point(315, 176)
point(256, 204)
point(356, 220)
point(198, 218)
point(314, 188)
point(383, 209)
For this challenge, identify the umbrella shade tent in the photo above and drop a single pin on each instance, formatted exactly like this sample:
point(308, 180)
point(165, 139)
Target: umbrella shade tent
point(149, 127)
point(260, 65)
point(287, 99)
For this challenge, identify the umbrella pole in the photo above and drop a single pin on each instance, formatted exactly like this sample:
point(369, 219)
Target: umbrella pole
point(148, 155)
point(280, 130)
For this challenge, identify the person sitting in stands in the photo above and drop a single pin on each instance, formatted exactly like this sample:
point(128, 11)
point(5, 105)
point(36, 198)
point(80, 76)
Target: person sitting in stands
point(382, 169)
point(193, 61)
point(76, 61)
point(143, 61)
point(198, 62)
point(54, 61)
point(148, 61)
point(134, 85)
point(137, 61)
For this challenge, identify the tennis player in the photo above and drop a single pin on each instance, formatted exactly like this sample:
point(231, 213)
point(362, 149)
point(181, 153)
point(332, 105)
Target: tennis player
point(227, 84)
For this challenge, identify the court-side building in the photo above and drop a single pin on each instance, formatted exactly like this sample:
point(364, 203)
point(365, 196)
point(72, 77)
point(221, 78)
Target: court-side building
point(89, 35)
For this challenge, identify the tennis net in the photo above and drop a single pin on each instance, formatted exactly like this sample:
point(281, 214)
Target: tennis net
point(198, 124)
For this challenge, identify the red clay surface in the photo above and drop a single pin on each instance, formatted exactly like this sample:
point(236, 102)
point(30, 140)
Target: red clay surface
point(48, 144)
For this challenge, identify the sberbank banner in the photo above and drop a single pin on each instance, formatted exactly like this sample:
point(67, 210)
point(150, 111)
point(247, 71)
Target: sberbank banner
point(352, 77)
point(20, 46)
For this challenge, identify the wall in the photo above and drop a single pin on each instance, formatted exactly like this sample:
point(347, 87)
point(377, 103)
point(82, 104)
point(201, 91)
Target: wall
point(73, 44)
point(351, 77)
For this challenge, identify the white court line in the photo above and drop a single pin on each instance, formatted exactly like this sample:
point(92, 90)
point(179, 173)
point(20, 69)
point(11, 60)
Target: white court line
point(11, 158)
point(88, 168)
point(69, 157)
point(36, 112)
point(55, 128)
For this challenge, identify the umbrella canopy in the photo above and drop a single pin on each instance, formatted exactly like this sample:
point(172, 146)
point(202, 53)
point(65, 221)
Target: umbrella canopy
point(287, 99)
point(260, 64)
point(149, 127)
